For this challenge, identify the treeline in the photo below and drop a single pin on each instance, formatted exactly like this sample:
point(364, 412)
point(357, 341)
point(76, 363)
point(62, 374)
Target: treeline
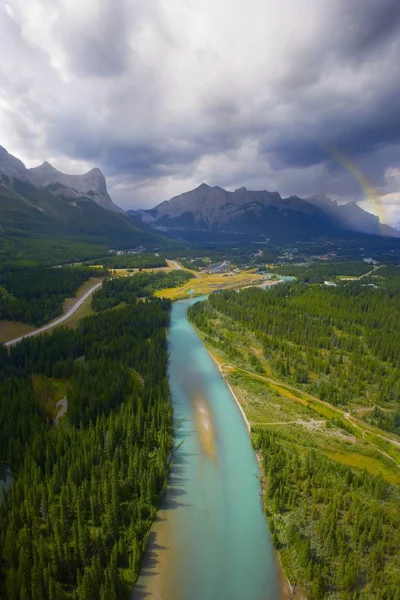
point(387, 277)
point(196, 264)
point(385, 419)
point(197, 258)
point(23, 250)
point(146, 260)
point(129, 289)
point(321, 271)
point(36, 295)
point(338, 343)
point(337, 529)
point(75, 522)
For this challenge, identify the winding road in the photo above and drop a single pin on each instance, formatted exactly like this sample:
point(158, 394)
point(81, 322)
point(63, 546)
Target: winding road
point(58, 321)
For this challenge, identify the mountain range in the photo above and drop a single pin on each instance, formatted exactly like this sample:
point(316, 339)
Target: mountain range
point(260, 214)
point(43, 203)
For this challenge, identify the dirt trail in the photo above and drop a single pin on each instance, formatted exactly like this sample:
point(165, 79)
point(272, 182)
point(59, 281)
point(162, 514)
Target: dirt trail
point(63, 407)
point(362, 427)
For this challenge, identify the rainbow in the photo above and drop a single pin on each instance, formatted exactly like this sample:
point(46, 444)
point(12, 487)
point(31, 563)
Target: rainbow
point(370, 192)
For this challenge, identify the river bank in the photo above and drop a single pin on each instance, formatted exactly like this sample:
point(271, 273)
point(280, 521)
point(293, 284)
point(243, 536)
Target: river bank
point(287, 590)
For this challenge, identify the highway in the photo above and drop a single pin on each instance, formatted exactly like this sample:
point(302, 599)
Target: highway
point(59, 320)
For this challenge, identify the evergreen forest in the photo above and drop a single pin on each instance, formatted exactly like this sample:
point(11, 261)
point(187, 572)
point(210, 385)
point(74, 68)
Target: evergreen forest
point(331, 485)
point(144, 260)
point(35, 295)
point(85, 488)
point(128, 289)
point(337, 343)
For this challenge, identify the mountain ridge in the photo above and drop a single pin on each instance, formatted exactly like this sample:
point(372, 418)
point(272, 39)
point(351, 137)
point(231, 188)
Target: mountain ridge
point(91, 185)
point(260, 212)
point(50, 207)
point(351, 213)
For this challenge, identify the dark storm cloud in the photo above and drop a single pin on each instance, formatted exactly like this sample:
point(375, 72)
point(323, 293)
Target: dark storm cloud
point(353, 133)
point(369, 24)
point(97, 44)
point(168, 93)
point(368, 33)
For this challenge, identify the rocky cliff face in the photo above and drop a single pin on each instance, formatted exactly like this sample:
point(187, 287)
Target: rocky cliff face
point(91, 185)
point(10, 167)
point(259, 214)
point(44, 204)
point(212, 206)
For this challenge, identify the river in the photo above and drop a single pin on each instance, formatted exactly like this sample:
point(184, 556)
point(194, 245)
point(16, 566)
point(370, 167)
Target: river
point(210, 539)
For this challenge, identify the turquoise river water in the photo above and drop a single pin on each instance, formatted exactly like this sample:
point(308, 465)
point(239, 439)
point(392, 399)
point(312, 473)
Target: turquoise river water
point(210, 540)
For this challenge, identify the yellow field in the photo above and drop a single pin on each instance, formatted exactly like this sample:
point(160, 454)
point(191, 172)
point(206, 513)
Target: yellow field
point(370, 464)
point(205, 283)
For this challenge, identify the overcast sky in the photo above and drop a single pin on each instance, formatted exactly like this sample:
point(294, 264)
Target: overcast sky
point(163, 95)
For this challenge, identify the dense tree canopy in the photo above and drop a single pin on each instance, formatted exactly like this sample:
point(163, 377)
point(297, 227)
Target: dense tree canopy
point(318, 272)
point(341, 526)
point(36, 295)
point(144, 260)
point(129, 289)
point(336, 342)
point(338, 527)
point(76, 520)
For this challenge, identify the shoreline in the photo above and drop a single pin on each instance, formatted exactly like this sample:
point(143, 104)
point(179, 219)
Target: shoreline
point(287, 592)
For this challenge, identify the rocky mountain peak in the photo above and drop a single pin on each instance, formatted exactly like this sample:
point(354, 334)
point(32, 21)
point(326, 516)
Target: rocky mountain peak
point(11, 167)
point(260, 212)
point(91, 185)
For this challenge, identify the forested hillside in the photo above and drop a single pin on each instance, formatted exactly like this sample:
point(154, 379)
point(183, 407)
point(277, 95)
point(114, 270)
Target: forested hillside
point(314, 367)
point(35, 295)
point(145, 260)
point(336, 342)
point(75, 522)
point(339, 527)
